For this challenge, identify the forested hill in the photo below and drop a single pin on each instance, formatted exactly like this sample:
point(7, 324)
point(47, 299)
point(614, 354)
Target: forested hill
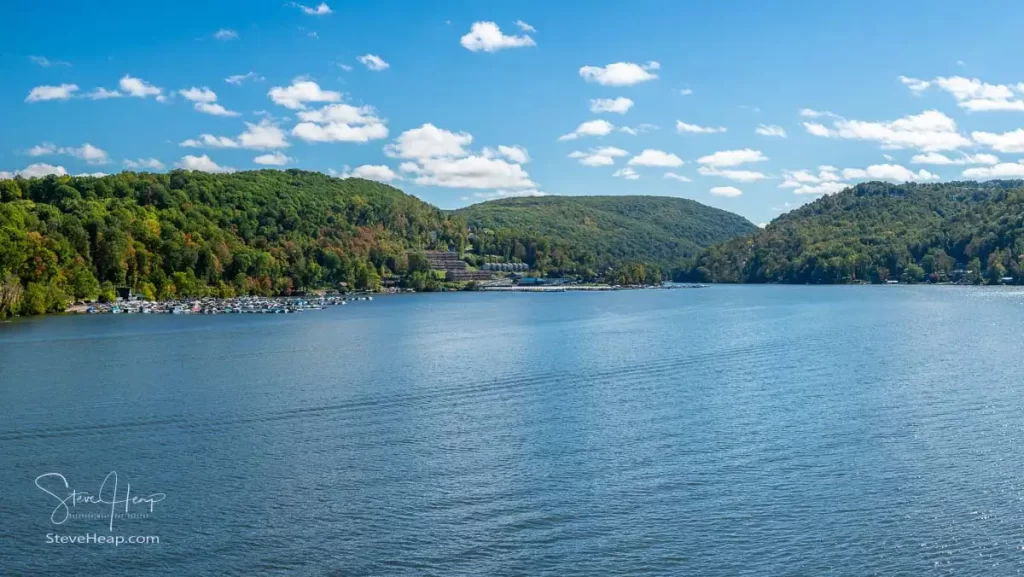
point(603, 231)
point(191, 233)
point(876, 232)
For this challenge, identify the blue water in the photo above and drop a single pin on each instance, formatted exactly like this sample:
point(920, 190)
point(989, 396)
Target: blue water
point(723, 431)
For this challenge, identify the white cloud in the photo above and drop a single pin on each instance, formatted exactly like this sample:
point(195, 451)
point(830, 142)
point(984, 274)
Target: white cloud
point(429, 141)
point(943, 160)
point(651, 157)
point(929, 131)
point(620, 73)
point(378, 172)
point(43, 93)
point(46, 62)
point(202, 164)
point(514, 153)
point(619, 105)
point(726, 191)
point(770, 130)
point(1010, 142)
point(727, 158)
point(374, 62)
point(238, 79)
point(811, 113)
point(139, 88)
point(604, 156)
point(638, 129)
point(340, 123)
point(91, 174)
point(821, 188)
point(589, 128)
point(686, 92)
point(487, 37)
point(345, 67)
point(525, 27)
point(674, 176)
point(150, 163)
point(976, 96)
point(102, 94)
point(737, 175)
point(301, 92)
point(441, 159)
point(36, 170)
point(214, 109)
point(321, 10)
point(627, 173)
point(43, 149)
point(684, 128)
point(88, 153)
point(272, 159)
point(263, 136)
point(483, 196)
point(225, 34)
point(471, 172)
point(915, 85)
point(1002, 170)
point(199, 94)
point(890, 172)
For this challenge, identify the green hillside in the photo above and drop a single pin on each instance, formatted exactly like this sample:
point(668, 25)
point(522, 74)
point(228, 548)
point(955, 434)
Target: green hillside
point(600, 231)
point(877, 231)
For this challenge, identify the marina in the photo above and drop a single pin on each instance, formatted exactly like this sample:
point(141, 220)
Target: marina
point(214, 306)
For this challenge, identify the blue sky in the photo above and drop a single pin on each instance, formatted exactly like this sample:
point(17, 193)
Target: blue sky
point(862, 90)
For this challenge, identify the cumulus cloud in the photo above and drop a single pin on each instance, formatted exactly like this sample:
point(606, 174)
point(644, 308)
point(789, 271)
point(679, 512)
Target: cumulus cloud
point(497, 194)
point(620, 73)
point(929, 131)
point(139, 88)
point(440, 157)
point(272, 159)
point(205, 100)
point(589, 128)
point(201, 164)
point(1009, 142)
point(604, 156)
point(651, 157)
point(86, 152)
point(429, 141)
point(889, 172)
point(915, 85)
point(770, 130)
point(225, 34)
point(728, 158)
point(262, 136)
point(150, 163)
point(43, 93)
point(686, 92)
point(321, 10)
point(374, 62)
point(726, 191)
point(974, 95)
point(238, 79)
point(811, 113)
point(674, 176)
point(378, 172)
point(618, 105)
point(684, 128)
point(340, 123)
point(36, 170)
point(488, 37)
point(737, 175)
point(1001, 170)
point(627, 173)
point(301, 92)
point(943, 160)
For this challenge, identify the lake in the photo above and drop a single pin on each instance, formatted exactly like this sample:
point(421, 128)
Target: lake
point(733, 430)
